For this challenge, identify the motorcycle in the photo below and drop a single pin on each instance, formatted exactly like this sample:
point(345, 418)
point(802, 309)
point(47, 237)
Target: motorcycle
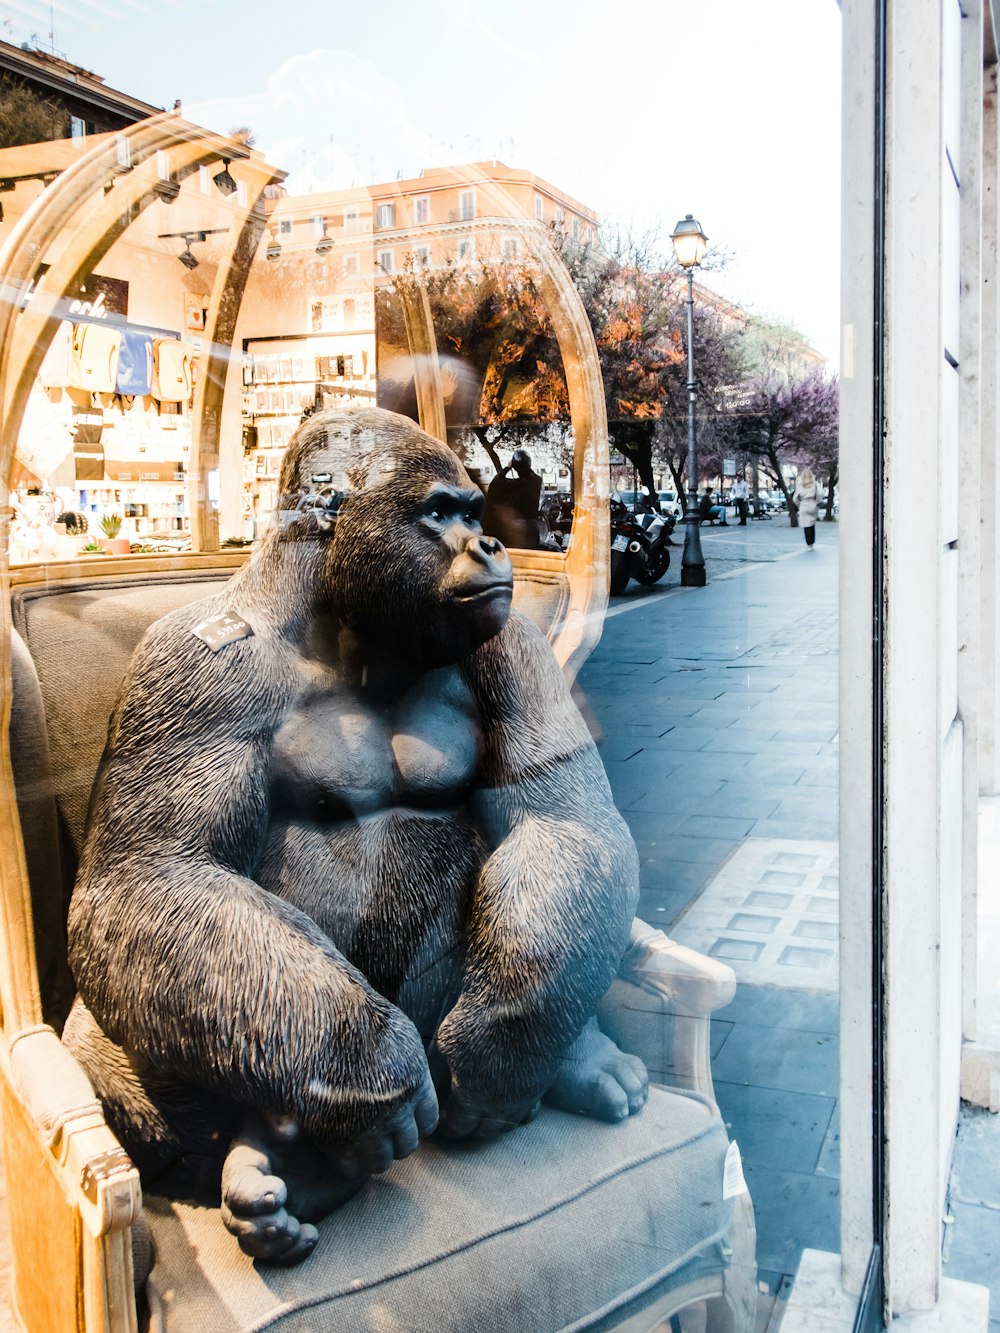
point(640, 546)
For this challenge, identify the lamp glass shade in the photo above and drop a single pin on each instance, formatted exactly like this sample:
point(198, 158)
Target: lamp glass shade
point(225, 182)
point(690, 242)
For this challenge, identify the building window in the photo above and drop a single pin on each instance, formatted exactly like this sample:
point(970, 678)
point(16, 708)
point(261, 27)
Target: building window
point(560, 216)
point(539, 208)
point(285, 226)
point(421, 256)
point(466, 251)
point(509, 248)
point(387, 261)
point(576, 229)
point(350, 265)
point(385, 216)
point(77, 127)
point(467, 205)
point(319, 225)
point(350, 220)
point(421, 210)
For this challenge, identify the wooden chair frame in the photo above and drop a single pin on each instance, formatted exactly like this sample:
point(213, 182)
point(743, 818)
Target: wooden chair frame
point(73, 1193)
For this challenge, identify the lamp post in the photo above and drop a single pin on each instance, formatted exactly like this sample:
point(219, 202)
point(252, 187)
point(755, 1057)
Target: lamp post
point(689, 247)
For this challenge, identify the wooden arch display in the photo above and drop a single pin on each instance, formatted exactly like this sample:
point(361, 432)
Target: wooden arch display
point(73, 223)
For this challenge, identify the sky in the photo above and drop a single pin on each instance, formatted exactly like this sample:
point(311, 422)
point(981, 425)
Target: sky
point(644, 110)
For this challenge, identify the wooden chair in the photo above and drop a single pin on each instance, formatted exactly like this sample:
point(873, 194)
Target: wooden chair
point(566, 1224)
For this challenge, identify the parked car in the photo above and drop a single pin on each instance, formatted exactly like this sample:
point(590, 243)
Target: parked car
point(667, 501)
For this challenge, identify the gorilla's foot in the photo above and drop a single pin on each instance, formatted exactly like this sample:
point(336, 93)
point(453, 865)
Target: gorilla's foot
point(274, 1184)
point(597, 1079)
point(395, 1135)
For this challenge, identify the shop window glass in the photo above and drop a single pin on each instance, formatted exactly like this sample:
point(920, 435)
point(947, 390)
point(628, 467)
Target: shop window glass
point(713, 710)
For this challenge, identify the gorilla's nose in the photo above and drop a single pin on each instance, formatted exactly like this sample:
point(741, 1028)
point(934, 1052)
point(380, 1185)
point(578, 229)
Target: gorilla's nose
point(487, 550)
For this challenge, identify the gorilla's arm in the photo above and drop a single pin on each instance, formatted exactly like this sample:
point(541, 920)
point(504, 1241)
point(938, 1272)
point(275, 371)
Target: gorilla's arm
point(181, 957)
point(555, 899)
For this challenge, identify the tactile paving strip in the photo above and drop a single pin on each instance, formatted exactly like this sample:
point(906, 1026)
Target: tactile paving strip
point(772, 913)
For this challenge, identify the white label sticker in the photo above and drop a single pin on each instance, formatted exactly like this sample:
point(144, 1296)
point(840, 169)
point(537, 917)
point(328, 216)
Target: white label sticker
point(733, 1181)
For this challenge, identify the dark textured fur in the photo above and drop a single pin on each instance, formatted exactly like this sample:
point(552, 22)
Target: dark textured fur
point(248, 933)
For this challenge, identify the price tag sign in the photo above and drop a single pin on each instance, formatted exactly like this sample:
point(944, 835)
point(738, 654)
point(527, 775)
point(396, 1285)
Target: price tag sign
point(218, 631)
point(733, 1180)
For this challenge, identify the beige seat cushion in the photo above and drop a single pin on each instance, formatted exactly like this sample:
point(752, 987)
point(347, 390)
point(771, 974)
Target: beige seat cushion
point(530, 1234)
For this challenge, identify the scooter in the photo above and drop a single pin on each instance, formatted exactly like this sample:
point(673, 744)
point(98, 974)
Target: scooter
point(640, 547)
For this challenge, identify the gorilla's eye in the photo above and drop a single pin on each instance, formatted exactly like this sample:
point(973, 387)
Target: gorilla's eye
point(436, 516)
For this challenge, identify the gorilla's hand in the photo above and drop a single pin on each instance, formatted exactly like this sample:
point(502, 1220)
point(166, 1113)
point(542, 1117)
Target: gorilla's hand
point(467, 1114)
point(378, 1099)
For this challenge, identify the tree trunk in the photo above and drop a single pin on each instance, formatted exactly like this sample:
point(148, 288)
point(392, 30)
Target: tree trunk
point(482, 434)
point(639, 452)
point(779, 476)
point(678, 477)
point(831, 482)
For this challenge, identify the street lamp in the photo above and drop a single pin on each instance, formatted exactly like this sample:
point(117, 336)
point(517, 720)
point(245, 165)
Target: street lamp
point(689, 247)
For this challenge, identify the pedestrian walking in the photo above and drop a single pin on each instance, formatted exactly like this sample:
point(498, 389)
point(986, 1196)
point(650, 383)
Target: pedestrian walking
point(806, 497)
point(740, 493)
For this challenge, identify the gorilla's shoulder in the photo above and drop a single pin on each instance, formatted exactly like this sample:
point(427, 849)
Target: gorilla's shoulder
point(206, 652)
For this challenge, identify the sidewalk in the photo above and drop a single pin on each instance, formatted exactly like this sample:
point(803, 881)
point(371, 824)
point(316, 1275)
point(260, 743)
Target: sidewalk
point(717, 716)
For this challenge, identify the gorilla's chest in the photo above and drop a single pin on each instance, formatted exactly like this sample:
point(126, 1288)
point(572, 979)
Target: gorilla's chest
point(338, 755)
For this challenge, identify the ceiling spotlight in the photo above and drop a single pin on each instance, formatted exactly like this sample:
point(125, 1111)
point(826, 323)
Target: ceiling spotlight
point(189, 238)
point(325, 243)
point(225, 182)
point(167, 190)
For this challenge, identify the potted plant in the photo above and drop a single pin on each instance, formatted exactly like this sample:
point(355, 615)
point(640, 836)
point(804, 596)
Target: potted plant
point(112, 543)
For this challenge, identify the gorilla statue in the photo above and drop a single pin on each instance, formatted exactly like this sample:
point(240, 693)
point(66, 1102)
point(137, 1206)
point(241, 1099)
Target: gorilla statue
point(351, 852)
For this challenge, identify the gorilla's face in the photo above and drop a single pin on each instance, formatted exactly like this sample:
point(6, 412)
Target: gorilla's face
point(411, 568)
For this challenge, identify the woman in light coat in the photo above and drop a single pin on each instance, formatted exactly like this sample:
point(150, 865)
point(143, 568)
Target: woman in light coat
point(806, 498)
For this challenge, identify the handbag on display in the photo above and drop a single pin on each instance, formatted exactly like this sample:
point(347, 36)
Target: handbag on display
point(171, 370)
point(135, 364)
point(57, 366)
point(88, 452)
point(95, 357)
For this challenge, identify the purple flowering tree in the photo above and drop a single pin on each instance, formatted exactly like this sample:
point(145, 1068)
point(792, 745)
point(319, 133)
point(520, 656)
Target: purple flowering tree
point(791, 421)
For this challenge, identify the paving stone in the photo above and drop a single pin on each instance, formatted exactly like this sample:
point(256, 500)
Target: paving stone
point(775, 1127)
point(972, 1249)
point(780, 1058)
point(829, 1157)
point(769, 1006)
point(795, 1211)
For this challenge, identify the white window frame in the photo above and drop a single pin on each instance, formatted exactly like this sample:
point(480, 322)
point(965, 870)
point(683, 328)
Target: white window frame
point(351, 266)
point(385, 215)
point(465, 250)
point(421, 256)
point(386, 261)
point(350, 221)
point(510, 248)
point(466, 205)
point(539, 208)
point(285, 227)
point(560, 215)
point(421, 210)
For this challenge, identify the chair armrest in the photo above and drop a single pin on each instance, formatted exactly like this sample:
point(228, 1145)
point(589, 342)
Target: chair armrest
point(660, 1005)
point(100, 1177)
point(73, 1194)
point(689, 982)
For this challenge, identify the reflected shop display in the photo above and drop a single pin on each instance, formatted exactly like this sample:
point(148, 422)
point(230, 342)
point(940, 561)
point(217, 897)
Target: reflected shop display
point(402, 928)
